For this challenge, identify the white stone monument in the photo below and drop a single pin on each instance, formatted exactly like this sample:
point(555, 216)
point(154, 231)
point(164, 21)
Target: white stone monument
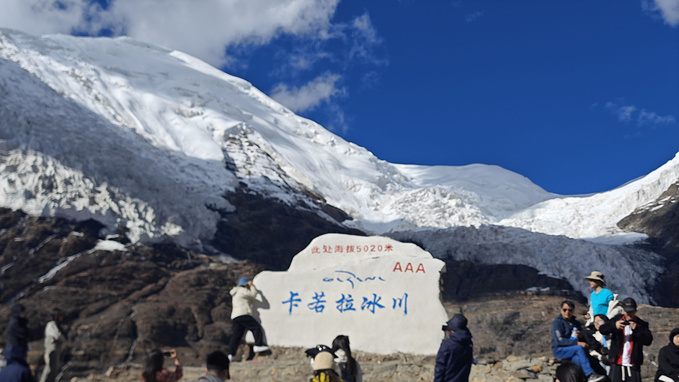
point(382, 293)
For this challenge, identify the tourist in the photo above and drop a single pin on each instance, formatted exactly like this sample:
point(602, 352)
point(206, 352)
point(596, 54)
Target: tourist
point(17, 369)
point(243, 298)
point(53, 341)
point(598, 345)
point(311, 353)
point(569, 372)
point(217, 367)
point(629, 335)
point(324, 368)
point(568, 342)
point(600, 296)
point(350, 370)
point(17, 333)
point(455, 356)
point(668, 360)
point(154, 370)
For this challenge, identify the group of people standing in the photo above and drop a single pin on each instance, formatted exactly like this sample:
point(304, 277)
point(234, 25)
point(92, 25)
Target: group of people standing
point(611, 343)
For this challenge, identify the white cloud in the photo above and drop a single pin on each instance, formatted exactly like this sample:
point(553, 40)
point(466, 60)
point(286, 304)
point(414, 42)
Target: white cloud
point(653, 118)
point(42, 17)
point(307, 97)
point(667, 9)
point(365, 39)
point(626, 113)
point(471, 17)
point(201, 28)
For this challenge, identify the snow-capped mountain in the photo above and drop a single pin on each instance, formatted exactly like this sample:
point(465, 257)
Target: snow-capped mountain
point(150, 141)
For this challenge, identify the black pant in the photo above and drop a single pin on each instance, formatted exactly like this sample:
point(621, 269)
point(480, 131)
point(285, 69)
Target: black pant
point(625, 373)
point(240, 325)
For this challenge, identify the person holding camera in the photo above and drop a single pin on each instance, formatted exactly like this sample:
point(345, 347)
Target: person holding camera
point(154, 370)
point(629, 335)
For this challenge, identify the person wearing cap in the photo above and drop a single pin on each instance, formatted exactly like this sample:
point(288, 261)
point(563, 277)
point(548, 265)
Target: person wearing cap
point(567, 342)
point(629, 335)
point(668, 360)
point(216, 367)
point(455, 356)
point(600, 296)
point(242, 299)
point(324, 368)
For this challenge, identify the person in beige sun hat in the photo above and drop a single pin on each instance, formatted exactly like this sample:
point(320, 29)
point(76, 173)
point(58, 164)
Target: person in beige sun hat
point(600, 298)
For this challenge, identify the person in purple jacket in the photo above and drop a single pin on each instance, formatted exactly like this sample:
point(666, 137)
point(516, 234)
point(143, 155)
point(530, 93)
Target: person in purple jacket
point(455, 356)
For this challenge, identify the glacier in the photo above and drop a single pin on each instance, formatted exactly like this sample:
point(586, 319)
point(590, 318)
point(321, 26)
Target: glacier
point(148, 141)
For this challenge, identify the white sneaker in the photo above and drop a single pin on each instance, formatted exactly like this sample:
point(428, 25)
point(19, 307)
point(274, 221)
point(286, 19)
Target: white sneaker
point(594, 377)
point(259, 349)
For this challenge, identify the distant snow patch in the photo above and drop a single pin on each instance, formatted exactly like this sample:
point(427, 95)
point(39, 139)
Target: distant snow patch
point(109, 245)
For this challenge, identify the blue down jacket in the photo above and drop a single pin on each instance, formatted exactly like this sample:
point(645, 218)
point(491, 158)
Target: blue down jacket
point(454, 359)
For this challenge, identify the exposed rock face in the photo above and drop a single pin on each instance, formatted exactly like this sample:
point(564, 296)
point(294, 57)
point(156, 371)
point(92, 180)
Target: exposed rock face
point(660, 221)
point(120, 303)
point(270, 232)
point(464, 280)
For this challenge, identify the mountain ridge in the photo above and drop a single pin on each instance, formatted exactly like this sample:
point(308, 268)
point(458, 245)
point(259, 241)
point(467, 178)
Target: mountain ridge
point(161, 146)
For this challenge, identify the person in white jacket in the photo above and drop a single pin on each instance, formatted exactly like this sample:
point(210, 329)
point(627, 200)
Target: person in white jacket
point(242, 299)
point(53, 340)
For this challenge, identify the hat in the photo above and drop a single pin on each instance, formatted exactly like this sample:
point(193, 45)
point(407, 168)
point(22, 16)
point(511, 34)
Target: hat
point(243, 281)
point(458, 322)
point(674, 332)
point(312, 352)
point(596, 276)
point(629, 305)
point(324, 360)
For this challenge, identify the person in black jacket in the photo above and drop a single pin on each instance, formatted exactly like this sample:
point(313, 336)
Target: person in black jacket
point(455, 356)
point(17, 333)
point(668, 360)
point(629, 335)
point(17, 369)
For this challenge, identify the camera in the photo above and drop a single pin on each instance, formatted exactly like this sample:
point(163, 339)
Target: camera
point(625, 322)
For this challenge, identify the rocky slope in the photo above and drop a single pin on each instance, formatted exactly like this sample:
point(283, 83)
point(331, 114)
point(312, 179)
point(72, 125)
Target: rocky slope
point(660, 221)
point(120, 300)
point(511, 337)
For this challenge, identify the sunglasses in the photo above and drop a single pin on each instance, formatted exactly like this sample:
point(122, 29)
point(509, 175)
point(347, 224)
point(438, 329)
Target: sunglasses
point(567, 310)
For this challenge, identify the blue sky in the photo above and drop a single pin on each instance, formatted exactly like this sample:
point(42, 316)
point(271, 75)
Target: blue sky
point(579, 96)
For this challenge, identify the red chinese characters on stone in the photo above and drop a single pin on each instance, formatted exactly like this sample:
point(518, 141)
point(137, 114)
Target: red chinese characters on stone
point(351, 248)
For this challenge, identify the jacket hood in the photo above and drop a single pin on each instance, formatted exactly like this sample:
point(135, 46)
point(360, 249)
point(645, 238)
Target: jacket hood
point(16, 310)
point(15, 354)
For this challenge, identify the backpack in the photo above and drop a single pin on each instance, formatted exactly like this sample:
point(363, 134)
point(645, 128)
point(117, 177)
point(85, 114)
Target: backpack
point(324, 376)
point(614, 307)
